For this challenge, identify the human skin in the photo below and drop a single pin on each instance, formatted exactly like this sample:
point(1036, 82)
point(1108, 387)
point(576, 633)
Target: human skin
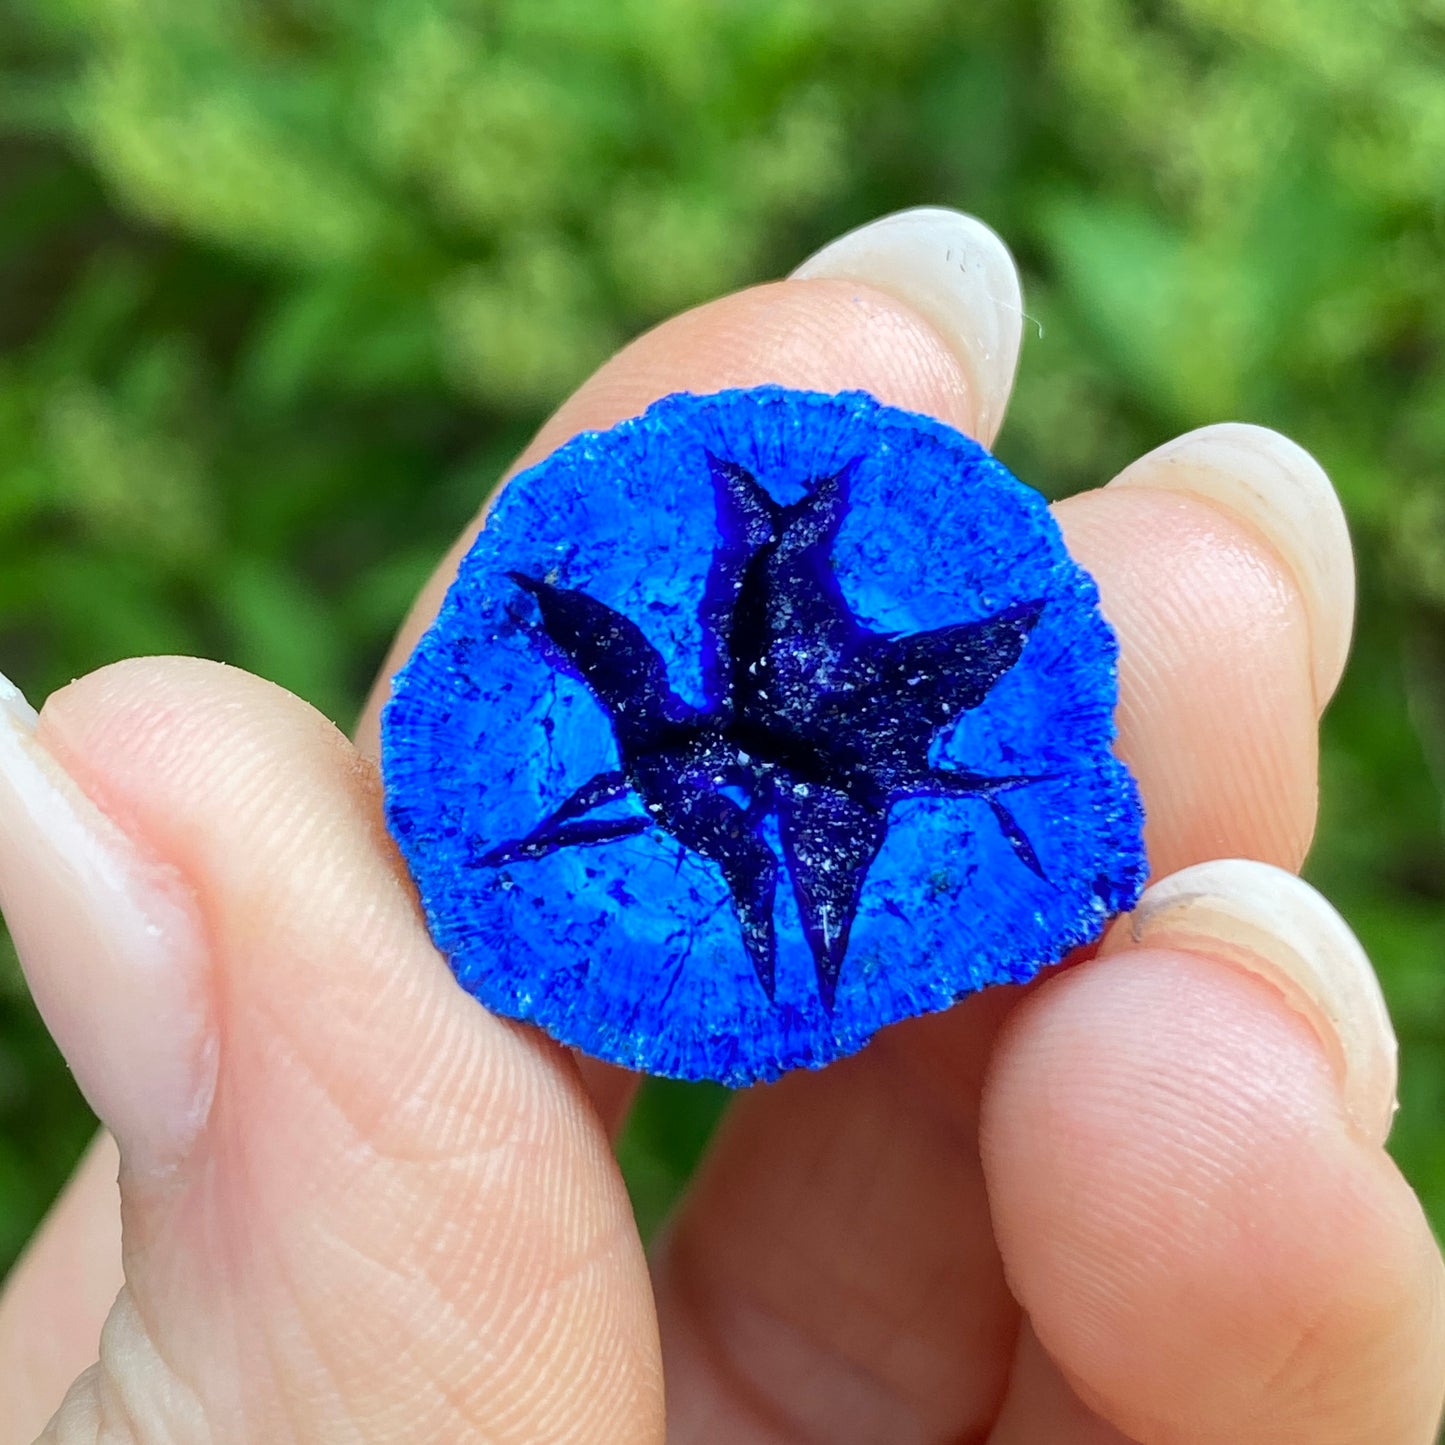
point(1144, 1200)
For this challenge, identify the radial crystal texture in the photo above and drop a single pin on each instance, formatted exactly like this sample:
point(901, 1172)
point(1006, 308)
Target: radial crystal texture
point(754, 724)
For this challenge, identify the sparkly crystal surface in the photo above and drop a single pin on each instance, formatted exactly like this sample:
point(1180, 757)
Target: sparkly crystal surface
point(756, 723)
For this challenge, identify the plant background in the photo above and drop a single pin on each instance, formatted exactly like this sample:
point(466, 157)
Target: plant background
point(283, 286)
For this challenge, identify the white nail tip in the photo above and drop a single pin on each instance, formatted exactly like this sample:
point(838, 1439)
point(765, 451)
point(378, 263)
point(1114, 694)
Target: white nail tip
point(958, 275)
point(1274, 925)
point(15, 707)
point(1279, 489)
point(110, 950)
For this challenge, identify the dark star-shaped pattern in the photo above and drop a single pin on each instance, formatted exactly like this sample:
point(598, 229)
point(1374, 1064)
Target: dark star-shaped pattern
point(811, 717)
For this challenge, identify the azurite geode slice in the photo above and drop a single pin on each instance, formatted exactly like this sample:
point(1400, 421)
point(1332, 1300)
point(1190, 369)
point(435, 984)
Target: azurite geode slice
point(753, 724)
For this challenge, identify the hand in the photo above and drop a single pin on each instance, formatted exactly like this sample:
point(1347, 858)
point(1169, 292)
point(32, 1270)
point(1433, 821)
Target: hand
point(1146, 1200)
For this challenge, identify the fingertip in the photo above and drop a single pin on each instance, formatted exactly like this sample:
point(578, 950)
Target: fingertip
point(264, 827)
point(1198, 1235)
point(829, 333)
point(221, 772)
point(958, 274)
point(1216, 715)
point(143, 710)
point(110, 941)
point(1277, 488)
point(1272, 924)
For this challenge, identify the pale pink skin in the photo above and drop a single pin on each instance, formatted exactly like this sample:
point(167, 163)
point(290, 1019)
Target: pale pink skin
point(1126, 1204)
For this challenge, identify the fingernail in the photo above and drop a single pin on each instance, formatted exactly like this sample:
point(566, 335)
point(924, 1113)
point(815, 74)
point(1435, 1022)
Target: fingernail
point(1281, 492)
point(958, 275)
point(1272, 924)
point(110, 948)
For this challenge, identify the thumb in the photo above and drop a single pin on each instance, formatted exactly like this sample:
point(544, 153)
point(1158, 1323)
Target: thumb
point(354, 1205)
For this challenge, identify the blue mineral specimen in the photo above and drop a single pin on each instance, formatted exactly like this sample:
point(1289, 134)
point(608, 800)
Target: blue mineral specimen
point(756, 723)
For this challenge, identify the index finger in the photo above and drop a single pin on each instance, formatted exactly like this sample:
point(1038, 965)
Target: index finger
point(826, 335)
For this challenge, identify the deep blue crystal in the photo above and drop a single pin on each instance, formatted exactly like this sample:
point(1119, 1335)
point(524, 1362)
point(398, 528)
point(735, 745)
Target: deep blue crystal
point(810, 717)
point(756, 723)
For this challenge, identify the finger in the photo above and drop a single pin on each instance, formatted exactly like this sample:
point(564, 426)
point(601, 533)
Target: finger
point(1189, 1190)
point(779, 1270)
point(344, 1187)
point(1217, 716)
point(1225, 565)
point(59, 1293)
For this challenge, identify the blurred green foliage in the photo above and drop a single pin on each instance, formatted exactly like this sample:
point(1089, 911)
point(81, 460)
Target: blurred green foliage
point(284, 285)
